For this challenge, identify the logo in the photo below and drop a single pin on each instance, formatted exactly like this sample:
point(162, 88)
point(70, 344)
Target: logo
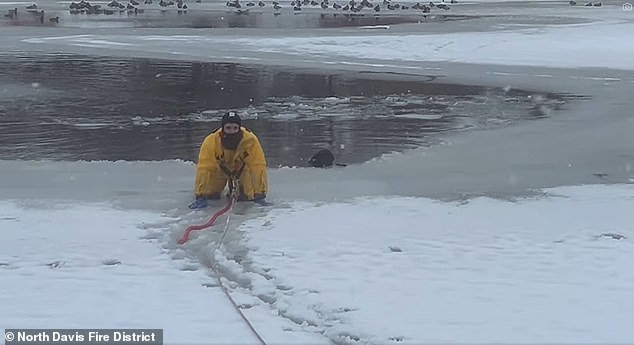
point(627, 6)
point(9, 337)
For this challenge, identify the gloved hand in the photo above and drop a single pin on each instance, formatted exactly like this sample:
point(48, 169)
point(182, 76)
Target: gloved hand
point(259, 199)
point(200, 202)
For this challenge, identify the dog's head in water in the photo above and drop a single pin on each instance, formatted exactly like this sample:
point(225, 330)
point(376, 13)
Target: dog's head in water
point(322, 159)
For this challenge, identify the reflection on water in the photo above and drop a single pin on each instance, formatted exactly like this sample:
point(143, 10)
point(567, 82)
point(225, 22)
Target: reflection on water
point(75, 107)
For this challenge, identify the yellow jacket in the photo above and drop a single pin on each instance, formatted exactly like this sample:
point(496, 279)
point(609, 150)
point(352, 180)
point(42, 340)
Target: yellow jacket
point(214, 161)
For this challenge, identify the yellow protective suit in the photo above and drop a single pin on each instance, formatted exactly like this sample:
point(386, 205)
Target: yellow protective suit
point(211, 178)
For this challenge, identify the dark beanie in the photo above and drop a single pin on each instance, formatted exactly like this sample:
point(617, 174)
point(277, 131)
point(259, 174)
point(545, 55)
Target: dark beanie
point(231, 117)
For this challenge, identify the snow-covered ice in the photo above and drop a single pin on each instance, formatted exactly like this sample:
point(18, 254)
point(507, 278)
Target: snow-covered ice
point(605, 44)
point(553, 269)
point(545, 269)
point(368, 268)
point(93, 265)
point(70, 265)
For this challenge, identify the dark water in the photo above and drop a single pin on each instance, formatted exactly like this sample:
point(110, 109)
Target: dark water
point(89, 108)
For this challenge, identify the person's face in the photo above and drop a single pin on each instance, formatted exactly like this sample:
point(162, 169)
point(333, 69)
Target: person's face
point(231, 128)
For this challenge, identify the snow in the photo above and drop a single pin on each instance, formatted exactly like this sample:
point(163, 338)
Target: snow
point(77, 265)
point(552, 268)
point(544, 269)
point(605, 44)
point(485, 271)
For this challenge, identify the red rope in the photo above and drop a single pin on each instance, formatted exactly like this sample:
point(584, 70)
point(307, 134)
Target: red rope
point(209, 223)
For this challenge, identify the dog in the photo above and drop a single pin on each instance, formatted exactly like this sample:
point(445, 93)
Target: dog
point(323, 159)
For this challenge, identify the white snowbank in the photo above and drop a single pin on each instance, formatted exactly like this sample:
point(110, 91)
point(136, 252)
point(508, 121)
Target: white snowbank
point(549, 270)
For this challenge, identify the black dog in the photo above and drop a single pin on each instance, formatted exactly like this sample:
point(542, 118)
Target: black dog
point(323, 158)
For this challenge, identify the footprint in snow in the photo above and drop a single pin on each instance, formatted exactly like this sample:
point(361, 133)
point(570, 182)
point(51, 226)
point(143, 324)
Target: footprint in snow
point(345, 310)
point(269, 299)
point(111, 262)
point(189, 268)
point(55, 264)
point(613, 236)
point(349, 337)
point(210, 285)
